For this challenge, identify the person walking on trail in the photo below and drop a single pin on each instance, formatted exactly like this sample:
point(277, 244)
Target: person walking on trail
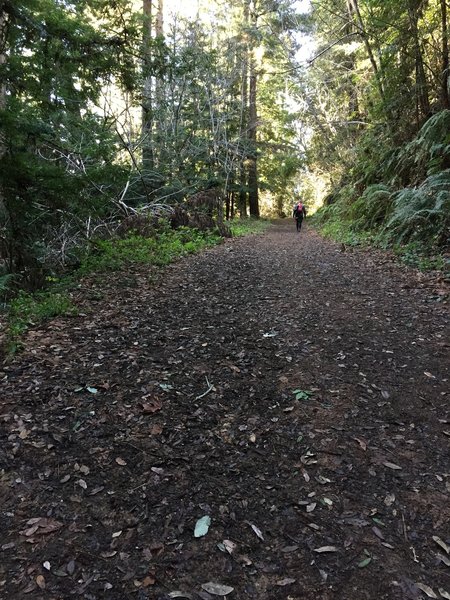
point(299, 214)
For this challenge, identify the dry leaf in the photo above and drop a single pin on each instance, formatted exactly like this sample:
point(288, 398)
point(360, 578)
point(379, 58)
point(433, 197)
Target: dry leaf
point(444, 594)
point(426, 588)
point(325, 549)
point(361, 442)
point(390, 499)
point(378, 533)
point(217, 589)
point(151, 406)
point(441, 543)
point(443, 559)
point(121, 461)
point(311, 507)
point(40, 581)
point(230, 546)
point(116, 534)
point(392, 466)
point(256, 530)
point(286, 581)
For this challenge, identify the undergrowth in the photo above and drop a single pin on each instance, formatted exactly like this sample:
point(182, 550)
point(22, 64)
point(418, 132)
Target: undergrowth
point(240, 227)
point(409, 210)
point(28, 309)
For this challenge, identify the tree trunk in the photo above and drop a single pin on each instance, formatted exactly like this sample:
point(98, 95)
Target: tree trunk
point(445, 57)
point(242, 204)
point(147, 100)
point(252, 159)
point(421, 80)
point(353, 8)
point(5, 249)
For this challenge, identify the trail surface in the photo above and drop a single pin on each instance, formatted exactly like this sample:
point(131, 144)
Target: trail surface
point(293, 392)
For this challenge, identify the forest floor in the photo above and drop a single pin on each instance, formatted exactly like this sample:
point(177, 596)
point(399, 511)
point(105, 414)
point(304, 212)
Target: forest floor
point(293, 391)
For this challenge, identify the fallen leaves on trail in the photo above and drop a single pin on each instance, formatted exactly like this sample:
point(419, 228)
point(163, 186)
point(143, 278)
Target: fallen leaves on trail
point(151, 405)
point(378, 533)
point(443, 559)
point(40, 580)
point(444, 594)
point(361, 442)
point(256, 530)
point(365, 562)
point(121, 461)
point(427, 590)
point(229, 546)
point(323, 549)
point(286, 581)
point(391, 465)
point(441, 543)
point(217, 589)
point(202, 526)
point(40, 526)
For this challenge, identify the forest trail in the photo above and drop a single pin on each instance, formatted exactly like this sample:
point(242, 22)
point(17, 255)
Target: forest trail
point(171, 397)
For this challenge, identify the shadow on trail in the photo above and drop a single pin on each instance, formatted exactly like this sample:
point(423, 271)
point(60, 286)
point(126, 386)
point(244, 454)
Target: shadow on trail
point(292, 392)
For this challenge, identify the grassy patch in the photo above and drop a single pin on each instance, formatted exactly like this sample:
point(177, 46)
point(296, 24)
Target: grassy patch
point(29, 309)
point(414, 254)
point(166, 246)
point(162, 249)
point(240, 227)
point(342, 231)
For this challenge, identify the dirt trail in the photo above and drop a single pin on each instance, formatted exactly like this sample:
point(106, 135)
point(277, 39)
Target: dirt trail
point(171, 397)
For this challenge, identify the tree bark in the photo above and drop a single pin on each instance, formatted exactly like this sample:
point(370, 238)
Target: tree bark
point(147, 92)
point(353, 8)
point(252, 159)
point(242, 204)
point(445, 57)
point(423, 100)
point(3, 209)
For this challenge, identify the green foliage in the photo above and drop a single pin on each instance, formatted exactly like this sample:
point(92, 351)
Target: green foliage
point(30, 309)
point(302, 394)
point(5, 281)
point(423, 213)
point(241, 227)
point(371, 209)
point(427, 154)
point(159, 250)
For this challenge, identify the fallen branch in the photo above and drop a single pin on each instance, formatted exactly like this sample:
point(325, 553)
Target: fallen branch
point(210, 387)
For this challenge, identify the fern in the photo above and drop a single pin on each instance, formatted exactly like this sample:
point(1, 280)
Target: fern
point(427, 154)
point(5, 280)
point(421, 213)
point(372, 208)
